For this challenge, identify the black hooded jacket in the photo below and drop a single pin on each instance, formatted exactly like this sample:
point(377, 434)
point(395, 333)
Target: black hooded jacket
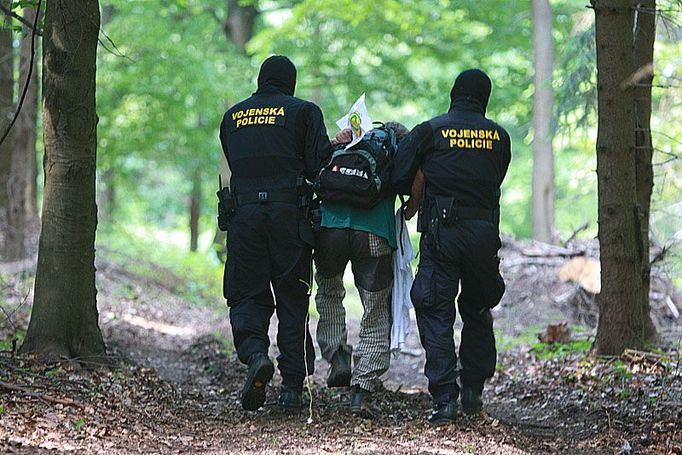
point(272, 137)
point(462, 154)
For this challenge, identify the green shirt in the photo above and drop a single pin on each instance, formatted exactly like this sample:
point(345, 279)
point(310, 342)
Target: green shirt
point(379, 220)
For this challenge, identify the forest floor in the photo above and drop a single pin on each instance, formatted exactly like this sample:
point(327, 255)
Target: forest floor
point(175, 384)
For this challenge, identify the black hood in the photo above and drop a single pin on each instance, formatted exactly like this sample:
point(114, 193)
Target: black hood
point(473, 85)
point(277, 72)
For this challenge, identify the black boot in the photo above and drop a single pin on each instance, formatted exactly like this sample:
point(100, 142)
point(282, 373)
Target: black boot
point(339, 373)
point(260, 372)
point(471, 398)
point(290, 399)
point(358, 401)
point(444, 413)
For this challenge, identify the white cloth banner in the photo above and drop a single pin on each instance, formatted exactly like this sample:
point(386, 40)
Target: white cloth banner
point(357, 119)
point(402, 283)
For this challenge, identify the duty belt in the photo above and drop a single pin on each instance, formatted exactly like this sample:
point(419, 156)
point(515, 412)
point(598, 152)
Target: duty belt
point(471, 213)
point(261, 197)
point(448, 210)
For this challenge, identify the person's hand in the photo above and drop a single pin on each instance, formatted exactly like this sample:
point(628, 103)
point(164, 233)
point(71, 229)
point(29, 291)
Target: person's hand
point(342, 137)
point(411, 207)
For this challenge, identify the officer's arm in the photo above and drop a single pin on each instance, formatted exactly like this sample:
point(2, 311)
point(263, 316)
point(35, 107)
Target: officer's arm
point(409, 157)
point(506, 154)
point(316, 147)
point(223, 139)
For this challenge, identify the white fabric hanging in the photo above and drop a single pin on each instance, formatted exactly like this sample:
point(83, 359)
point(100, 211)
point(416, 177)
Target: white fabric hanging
point(402, 283)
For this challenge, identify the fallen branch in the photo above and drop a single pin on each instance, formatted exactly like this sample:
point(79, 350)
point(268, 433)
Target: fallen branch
point(634, 355)
point(40, 396)
point(550, 261)
point(539, 249)
point(576, 232)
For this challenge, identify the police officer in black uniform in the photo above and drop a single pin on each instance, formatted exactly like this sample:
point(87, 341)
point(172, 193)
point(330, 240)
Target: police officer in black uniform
point(464, 158)
point(273, 143)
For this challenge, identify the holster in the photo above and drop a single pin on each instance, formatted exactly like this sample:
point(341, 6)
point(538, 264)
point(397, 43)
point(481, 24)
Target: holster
point(437, 212)
point(316, 215)
point(226, 207)
point(305, 207)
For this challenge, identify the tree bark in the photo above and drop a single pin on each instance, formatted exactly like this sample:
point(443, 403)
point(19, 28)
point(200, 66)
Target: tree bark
point(238, 27)
point(195, 211)
point(645, 36)
point(543, 102)
point(624, 320)
point(23, 155)
point(64, 317)
point(6, 112)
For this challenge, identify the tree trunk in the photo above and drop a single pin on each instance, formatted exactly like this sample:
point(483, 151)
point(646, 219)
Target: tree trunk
point(239, 24)
point(645, 36)
point(6, 112)
point(624, 320)
point(543, 101)
point(64, 317)
point(23, 154)
point(195, 211)
point(26, 124)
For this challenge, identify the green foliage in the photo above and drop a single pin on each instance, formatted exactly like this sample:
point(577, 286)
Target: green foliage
point(6, 344)
point(164, 85)
point(575, 76)
point(54, 372)
point(77, 424)
point(620, 372)
point(161, 96)
point(526, 338)
point(196, 277)
point(16, 7)
point(546, 351)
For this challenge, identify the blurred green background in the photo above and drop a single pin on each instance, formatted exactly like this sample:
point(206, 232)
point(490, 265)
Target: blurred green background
point(167, 71)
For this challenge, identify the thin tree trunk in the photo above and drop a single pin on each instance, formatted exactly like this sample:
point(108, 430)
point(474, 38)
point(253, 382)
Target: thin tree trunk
point(624, 321)
point(23, 154)
point(195, 211)
point(107, 195)
point(238, 27)
point(543, 101)
point(6, 112)
point(645, 36)
point(26, 124)
point(64, 317)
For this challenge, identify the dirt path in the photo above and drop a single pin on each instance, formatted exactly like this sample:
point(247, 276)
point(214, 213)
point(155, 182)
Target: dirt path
point(189, 346)
point(176, 390)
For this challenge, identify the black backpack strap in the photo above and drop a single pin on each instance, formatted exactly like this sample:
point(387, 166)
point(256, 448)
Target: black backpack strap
point(402, 222)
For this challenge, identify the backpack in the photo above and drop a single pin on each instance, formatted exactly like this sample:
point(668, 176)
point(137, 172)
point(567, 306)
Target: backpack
point(359, 176)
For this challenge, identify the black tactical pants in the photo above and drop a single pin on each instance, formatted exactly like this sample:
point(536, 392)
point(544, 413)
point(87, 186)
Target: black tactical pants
point(265, 254)
point(461, 255)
